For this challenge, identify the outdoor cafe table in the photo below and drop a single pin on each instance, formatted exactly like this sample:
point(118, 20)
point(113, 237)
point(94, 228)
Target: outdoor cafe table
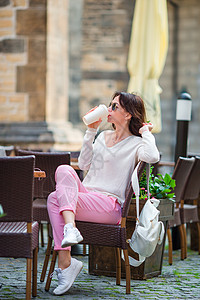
point(39, 174)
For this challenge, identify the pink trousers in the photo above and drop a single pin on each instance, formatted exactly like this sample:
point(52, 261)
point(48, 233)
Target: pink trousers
point(71, 195)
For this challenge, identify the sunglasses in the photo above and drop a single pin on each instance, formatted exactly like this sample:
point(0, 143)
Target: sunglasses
point(114, 106)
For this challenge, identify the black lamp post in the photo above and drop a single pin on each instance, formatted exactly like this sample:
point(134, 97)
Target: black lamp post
point(183, 116)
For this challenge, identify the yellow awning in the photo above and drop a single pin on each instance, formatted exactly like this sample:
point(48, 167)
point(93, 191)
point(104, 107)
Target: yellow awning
point(147, 54)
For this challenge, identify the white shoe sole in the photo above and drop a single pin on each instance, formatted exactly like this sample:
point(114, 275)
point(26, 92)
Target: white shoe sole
point(71, 243)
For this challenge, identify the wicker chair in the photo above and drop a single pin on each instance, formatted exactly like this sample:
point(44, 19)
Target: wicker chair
point(189, 207)
point(48, 162)
point(181, 173)
point(18, 234)
point(106, 235)
point(73, 161)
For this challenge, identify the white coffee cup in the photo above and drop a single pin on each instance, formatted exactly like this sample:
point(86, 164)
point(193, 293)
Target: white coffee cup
point(100, 112)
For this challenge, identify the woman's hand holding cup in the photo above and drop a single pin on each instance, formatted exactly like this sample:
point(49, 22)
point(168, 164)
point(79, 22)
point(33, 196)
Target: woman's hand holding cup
point(96, 124)
point(94, 117)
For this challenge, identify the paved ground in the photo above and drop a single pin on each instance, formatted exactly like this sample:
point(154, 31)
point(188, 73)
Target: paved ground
point(179, 281)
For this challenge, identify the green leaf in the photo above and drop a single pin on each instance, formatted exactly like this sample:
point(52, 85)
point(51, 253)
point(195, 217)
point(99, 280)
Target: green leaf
point(171, 199)
point(157, 180)
point(159, 196)
point(167, 178)
point(173, 183)
point(160, 175)
point(170, 195)
point(167, 190)
point(156, 184)
point(2, 215)
point(163, 189)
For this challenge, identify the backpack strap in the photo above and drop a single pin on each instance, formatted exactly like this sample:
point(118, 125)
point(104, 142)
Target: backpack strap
point(136, 187)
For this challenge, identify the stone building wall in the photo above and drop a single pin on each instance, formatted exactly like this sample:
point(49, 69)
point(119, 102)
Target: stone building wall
point(34, 75)
point(106, 29)
point(181, 72)
point(96, 37)
point(75, 52)
point(189, 65)
point(22, 60)
point(57, 61)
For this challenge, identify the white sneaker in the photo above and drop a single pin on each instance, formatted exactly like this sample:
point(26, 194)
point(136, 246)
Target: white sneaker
point(72, 236)
point(67, 276)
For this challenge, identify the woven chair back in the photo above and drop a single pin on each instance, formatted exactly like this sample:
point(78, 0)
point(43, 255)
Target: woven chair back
point(16, 186)
point(181, 173)
point(48, 162)
point(192, 188)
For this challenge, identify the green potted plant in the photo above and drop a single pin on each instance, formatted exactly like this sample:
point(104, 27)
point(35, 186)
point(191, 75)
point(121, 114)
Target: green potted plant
point(160, 187)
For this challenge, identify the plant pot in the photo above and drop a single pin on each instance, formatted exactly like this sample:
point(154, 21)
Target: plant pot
point(102, 259)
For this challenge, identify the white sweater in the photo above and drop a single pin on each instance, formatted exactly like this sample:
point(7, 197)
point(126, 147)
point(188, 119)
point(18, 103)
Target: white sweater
point(110, 168)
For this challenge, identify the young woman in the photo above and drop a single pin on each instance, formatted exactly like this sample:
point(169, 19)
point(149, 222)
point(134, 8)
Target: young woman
point(110, 162)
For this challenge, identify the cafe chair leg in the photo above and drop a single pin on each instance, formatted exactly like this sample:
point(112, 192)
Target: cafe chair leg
point(34, 285)
point(46, 260)
point(118, 265)
point(128, 272)
point(169, 235)
point(28, 278)
point(181, 231)
point(198, 229)
point(84, 249)
point(51, 269)
point(42, 234)
point(185, 240)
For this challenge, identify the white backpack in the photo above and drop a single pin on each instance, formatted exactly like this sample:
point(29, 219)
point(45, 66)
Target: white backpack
point(149, 231)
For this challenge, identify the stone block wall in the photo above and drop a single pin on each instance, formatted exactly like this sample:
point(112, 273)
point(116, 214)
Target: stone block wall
point(75, 51)
point(181, 71)
point(87, 44)
point(22, 60)
point(189, 65)
point(106, 29)
point(57, 61)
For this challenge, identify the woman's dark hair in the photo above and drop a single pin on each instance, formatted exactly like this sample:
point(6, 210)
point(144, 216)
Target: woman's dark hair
point(135, 106)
